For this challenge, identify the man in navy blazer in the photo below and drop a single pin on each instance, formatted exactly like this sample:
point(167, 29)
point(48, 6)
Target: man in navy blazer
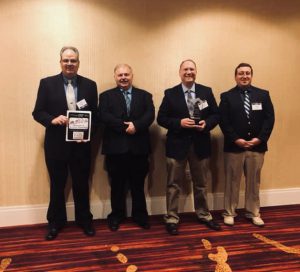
point(247, 120)
point(189, 112)
point(127, 113)
point(50, 110)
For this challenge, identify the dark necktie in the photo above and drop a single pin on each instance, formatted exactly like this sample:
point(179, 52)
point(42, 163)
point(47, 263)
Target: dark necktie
point(128, 100)
point(247, 103)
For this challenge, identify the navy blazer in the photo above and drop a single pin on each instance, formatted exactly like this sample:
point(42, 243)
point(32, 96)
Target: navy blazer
point(235, 124)
point(51, 102)
point(113, 113)
point(174, 108)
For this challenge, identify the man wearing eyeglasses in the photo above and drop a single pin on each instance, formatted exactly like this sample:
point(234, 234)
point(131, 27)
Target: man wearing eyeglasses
point(247, 120)
point(56, 95)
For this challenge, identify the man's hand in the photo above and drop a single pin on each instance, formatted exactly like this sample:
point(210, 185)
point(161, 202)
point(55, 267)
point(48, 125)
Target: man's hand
point(60, 120)
point(254, 141)
point(131, 128)
point(247, 144)
point(243, 144)
point(187, 123)
point(201, 125)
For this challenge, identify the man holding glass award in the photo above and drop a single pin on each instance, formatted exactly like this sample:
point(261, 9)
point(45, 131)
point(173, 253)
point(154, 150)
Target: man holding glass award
point(188, 111)
point(65, 105)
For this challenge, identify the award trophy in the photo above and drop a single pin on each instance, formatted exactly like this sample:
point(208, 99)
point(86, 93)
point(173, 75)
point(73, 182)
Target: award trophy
point(196, 113)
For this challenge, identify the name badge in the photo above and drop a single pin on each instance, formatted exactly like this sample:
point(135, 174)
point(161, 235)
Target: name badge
point(256, 106)
point(202, 105)
point(81, 104)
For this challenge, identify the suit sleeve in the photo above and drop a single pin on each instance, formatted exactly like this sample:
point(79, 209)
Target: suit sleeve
point(106, 117)
point(40, 113)
point(164, 116)
point(148, 116)
point(269, 119)
point(225, 122)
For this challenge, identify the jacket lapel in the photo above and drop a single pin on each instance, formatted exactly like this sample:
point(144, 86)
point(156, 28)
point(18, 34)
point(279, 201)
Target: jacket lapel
point(120, 97)
point(180, 98)
point(61, 91)
point(134, 100)
point(80, 89)
point(198, 92)
point(254, 97)
point(239, 101)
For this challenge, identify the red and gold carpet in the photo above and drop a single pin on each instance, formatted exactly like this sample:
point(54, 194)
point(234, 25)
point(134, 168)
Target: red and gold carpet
point(243, 247)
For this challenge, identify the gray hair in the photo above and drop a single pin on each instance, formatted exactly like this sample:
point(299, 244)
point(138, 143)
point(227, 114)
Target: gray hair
point(74, 49)
point(122, 65)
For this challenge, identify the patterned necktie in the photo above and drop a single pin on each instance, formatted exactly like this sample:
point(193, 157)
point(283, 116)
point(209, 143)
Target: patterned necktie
point(128, 100)
point(71, 96)
point(247, 103)
point(189, 102)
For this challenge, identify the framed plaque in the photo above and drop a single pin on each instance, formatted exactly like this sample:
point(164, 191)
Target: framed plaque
point(79, 126)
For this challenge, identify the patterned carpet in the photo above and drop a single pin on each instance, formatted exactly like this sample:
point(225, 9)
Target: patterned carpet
point(244, 247)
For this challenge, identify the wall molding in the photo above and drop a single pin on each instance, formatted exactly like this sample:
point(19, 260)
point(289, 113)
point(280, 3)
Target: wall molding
point(36, 214)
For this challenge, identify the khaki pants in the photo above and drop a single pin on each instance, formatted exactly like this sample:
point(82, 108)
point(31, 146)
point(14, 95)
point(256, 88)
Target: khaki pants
point(201, 176)
point(250, 163)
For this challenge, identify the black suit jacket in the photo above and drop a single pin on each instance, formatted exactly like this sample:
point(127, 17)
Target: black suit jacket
point(51, 102)
point(235, 124)
point(174, 108)
point(113, 113)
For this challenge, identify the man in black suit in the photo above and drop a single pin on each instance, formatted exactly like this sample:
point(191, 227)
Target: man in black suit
point(189, 111)
point(127, 112)
point(53, 101)
point(247, 119)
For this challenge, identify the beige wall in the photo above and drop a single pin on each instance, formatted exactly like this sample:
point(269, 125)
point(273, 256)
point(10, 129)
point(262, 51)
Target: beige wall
point(152, 36)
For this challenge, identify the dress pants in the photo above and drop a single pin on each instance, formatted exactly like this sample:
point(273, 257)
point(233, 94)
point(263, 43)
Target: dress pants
point(250, 163)
point(58, 172)
point(201, 176)
point(127, 171)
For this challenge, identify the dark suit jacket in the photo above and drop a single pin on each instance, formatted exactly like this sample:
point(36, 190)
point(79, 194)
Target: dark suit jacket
point(51, 102)
point(174, 108)
point(234, 123)
point(113, 113)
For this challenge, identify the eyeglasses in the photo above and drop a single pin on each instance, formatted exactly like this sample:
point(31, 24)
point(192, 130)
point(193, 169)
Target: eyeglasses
point(72, 61)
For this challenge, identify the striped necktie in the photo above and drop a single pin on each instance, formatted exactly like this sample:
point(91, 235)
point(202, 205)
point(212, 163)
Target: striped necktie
point(247, 103)
point(70, 94)
point(189, 102)
point(128, 101)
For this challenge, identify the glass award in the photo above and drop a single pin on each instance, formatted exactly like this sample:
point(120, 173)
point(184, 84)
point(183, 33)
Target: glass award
point(195, 114)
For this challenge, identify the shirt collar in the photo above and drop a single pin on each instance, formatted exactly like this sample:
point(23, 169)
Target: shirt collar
point(73, 79)
point(128, 91)
point(184, 88)
point(242, 90)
